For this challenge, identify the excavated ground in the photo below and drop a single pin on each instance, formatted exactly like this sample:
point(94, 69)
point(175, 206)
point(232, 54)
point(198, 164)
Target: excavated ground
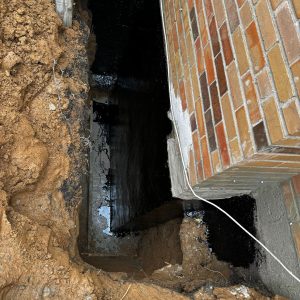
point(43, 110)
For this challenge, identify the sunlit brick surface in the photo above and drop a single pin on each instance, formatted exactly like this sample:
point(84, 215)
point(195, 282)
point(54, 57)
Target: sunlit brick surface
point(235, 68)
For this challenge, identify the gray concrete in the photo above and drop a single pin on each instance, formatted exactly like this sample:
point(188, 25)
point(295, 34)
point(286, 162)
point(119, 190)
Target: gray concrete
point(273, 230)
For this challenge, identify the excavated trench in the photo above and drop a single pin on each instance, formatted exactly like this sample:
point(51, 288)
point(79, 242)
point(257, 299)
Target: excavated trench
point(129, 185)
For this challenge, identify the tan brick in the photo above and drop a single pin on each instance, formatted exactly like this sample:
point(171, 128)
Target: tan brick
point(287, 30)
point(202, 26)
point(296, 75)
point(235, 151)
point(273, 122)
point(219, 11)
point(199, 57)
point(246, 15)
point(275, 3)
point(217, 167)
point(265, 23)
point(196, 147)
point(195, 83)
point(244, 132)
point(233, 18)
point(255, 48)
point(199, 117)
point(190, 49)
point(289, 201)
point(296, 236)
point(296, 4)
point(240, 51)
point(188, 89)
point(280, 75)
point(228, 116)
point(205, 158)
point(234, 86)
point(251, 99)
point(291, 114)
point(192, 169)
point(264, 85)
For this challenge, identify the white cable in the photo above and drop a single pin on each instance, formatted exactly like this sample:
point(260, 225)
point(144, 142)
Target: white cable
point(185, 172)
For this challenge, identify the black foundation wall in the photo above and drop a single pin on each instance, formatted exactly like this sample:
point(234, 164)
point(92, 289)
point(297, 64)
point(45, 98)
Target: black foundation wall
point(130, 63)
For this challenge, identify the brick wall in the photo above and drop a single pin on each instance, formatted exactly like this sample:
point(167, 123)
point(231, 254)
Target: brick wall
point(235, 84)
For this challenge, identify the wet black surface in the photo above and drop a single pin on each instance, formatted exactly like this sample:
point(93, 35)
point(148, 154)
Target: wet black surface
point(229, 242)
point(130, 63)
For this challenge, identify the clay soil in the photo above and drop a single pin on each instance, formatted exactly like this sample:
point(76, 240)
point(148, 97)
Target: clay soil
point(43, 112)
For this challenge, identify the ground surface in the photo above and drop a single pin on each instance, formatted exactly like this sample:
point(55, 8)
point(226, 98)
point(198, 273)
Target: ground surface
point(43, 89)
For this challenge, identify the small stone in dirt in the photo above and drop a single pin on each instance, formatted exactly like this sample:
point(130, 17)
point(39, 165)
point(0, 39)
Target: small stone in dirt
point(9, 61)
point(52, 107)
point(46, 292)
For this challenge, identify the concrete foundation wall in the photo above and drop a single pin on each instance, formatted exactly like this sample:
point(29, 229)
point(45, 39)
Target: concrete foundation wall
point(274, 230)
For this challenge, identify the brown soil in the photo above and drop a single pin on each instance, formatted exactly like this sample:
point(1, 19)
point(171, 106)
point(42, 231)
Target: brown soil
point(43, 98)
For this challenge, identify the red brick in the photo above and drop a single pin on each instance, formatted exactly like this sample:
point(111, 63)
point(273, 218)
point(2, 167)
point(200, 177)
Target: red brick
point(209, 64)
point(182, 95)
point(204, 91)
point(222, 145)
point(215, 102)
point(221, 74)
point(226, 44)
point(193, 122)
point(288, 33)
point(214, 37)
point(251, 99)
point(175, 38)
point(255, 47)
point(210, 131)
